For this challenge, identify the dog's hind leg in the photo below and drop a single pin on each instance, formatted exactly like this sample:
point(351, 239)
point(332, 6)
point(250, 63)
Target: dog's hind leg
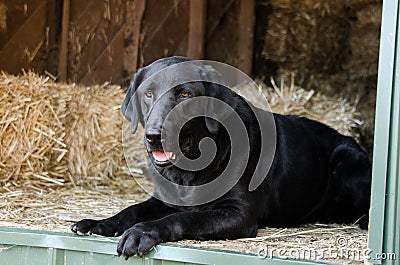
point(350, 173)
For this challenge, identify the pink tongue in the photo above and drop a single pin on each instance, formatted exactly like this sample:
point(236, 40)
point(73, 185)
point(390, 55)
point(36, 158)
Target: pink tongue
point(160, 156)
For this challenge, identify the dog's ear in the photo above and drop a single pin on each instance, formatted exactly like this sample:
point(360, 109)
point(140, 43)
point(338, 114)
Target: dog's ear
point(130, 108)
point(215, 88)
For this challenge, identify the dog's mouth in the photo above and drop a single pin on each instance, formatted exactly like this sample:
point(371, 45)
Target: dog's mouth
point(163, 158)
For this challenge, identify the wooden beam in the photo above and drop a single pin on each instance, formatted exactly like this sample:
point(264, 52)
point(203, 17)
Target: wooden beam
point(246, 35)
point(63, 58)
point(132, 27)
point(196, 29)
point(52, 32)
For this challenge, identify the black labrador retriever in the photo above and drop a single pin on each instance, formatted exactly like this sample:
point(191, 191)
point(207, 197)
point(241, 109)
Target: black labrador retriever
point(316, 174)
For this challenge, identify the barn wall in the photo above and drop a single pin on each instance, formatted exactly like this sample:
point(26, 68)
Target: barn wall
point(27, 35)
point(98, 41)
point(95, 41)
point(164, 30)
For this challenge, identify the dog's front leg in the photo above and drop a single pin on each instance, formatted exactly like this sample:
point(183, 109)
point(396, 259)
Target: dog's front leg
point(212, 224)
point(114, 226)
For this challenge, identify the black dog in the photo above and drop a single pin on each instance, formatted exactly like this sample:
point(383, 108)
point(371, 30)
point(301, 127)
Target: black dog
point(317, 174)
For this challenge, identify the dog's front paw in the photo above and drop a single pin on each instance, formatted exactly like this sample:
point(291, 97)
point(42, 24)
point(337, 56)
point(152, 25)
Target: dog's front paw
point(138, 240)
point(103, 227)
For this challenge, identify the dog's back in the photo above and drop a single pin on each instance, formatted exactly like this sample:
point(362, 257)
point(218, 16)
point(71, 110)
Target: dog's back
point(317, 175)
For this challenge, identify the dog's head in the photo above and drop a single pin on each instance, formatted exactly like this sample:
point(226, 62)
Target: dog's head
point(168, 85)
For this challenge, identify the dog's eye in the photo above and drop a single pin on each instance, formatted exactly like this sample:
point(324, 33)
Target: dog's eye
point(184, 94)
point(149, 94)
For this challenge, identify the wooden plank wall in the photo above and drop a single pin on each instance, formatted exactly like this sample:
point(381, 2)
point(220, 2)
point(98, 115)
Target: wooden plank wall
point(164, 30)
point(27, 33)
point(96, 41)
point(221, 31)
point(96, 37)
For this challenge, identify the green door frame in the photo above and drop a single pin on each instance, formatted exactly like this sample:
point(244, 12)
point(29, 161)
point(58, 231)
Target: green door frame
point(384, 237)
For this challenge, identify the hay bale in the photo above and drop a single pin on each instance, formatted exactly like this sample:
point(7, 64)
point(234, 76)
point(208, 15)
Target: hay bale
point(307, 36)
point(364, 41)
point(93, 131)
point(52, 134)
point(361, 70)
point(32, 134)
point(331, 46)
point(324, 41)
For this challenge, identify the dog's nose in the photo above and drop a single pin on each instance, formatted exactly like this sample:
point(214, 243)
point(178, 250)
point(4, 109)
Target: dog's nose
point(153, 135)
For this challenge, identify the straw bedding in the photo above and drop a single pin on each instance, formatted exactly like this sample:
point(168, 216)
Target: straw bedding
point(344, 244)
point(337, 112)
point(62, 159)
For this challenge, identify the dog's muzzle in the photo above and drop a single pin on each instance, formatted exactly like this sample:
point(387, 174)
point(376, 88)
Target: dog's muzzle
point(156, 150)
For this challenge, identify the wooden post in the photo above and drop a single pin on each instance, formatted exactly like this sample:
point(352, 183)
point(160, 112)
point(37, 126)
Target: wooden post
point(134, 16)
point(63, 57)
point(196, 29)
point(246, 35)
